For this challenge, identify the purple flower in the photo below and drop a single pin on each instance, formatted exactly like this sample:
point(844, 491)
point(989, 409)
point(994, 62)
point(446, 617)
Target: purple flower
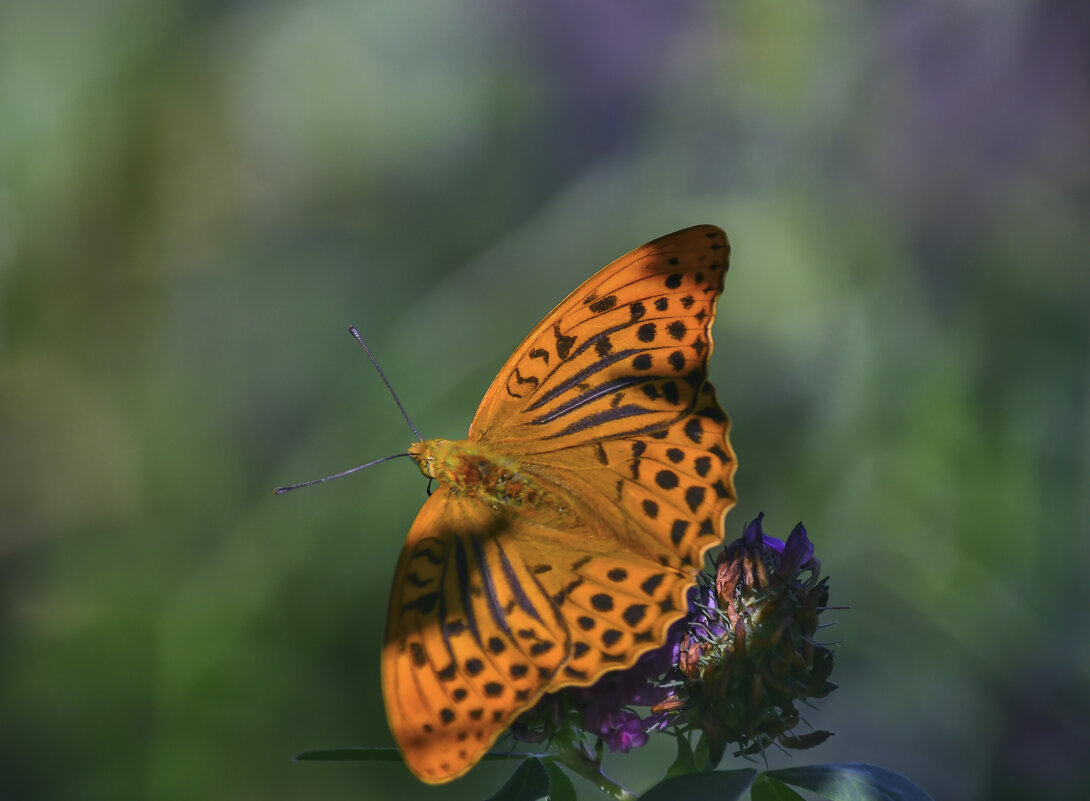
point(626, 734)
point(749, 654)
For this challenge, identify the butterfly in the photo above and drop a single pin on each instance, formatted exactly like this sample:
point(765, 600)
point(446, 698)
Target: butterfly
point(570, 524)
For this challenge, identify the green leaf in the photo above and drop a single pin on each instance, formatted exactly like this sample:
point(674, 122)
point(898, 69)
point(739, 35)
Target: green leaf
point(852, 781)
point(685, 762)
point(562, 787)
point(529, 782)
point(720, 785)
point(766, 788)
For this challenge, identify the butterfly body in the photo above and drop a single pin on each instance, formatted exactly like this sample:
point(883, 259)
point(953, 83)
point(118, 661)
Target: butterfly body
point(470, 469)
point(569, 526)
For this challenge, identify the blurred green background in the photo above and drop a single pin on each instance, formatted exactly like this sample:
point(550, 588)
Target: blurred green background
point(197, 199)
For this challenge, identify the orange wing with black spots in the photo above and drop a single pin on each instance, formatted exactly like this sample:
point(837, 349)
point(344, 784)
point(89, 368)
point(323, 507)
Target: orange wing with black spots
point(570, 526)
point(626, 352)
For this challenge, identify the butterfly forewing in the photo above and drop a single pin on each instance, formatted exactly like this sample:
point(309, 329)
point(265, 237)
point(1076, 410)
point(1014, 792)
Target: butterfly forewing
point(625, 353)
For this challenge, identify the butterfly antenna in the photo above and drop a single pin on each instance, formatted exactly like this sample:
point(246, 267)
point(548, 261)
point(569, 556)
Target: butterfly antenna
point(382, 375)
point(282, 490)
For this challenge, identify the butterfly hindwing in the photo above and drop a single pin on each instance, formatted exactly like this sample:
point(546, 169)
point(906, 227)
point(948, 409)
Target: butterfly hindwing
point(662, 498)
point(471, 637)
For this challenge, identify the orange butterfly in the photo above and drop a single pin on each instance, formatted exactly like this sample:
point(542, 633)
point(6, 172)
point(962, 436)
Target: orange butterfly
point(570, 525)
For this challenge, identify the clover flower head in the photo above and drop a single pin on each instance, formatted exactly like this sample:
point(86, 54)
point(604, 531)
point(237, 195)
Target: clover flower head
point(749, 654)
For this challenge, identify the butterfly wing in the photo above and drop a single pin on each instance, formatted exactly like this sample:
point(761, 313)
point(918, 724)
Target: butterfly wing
point(624, 353)
point(472, 638)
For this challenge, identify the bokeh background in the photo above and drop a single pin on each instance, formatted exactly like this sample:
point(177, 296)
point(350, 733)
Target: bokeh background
point(197, 199)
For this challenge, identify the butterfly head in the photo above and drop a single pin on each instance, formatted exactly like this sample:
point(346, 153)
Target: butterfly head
point(429, 455)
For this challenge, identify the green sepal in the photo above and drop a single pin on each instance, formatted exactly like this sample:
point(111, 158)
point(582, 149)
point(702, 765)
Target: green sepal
point(685, 761)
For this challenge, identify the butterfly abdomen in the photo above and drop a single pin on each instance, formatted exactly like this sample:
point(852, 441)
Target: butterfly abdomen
point(469, 469)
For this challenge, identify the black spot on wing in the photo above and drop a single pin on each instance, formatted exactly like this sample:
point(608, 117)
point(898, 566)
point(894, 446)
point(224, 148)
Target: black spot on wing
point(650, 585)
point(423, 604)
point(694, 496)
point(603, 304)
point(694, 430)
point(519, 380)
point(717, 451)
point(671, 393)
point(563, 342)
point(634, 614)
point(666, 479)
point(602, 602)
point(416, 650)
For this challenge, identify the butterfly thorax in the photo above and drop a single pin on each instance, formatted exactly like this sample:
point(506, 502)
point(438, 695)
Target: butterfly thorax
point(469, 469)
